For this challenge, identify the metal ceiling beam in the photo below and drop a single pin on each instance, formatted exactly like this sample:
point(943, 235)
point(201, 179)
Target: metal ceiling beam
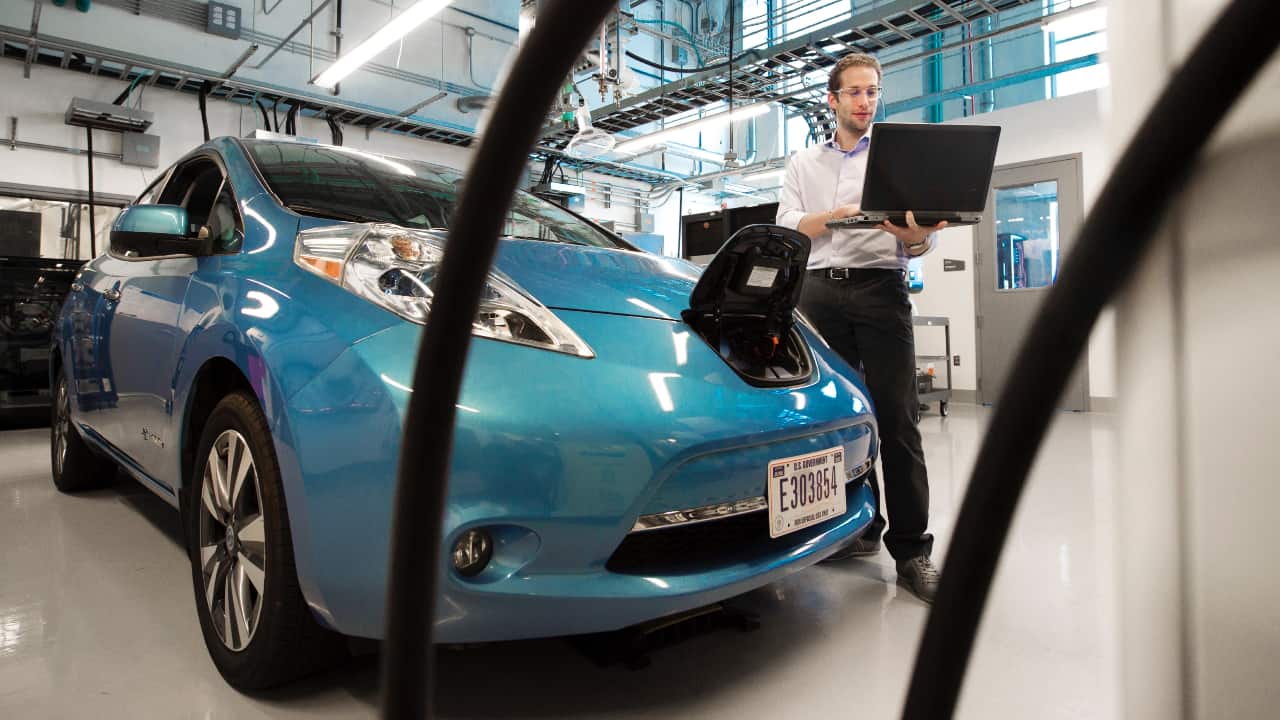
point(306, 21)
point(923, 21)
point(785, 63)
point(854, 23)
point(1035, 73)
point(906, 35)
point(871, 37)
point(35, 33)
point(946, 8)
point(240, 61)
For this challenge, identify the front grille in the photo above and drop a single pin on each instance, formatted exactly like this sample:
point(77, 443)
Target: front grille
point(705, 545)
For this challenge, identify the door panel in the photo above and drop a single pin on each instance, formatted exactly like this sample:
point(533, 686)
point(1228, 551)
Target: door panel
point(142, 347)
point(1033, 214)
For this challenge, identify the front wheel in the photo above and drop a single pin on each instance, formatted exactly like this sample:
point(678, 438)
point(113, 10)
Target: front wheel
point(256, 624)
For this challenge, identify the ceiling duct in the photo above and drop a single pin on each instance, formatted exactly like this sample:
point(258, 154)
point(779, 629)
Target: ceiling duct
point(105, 116)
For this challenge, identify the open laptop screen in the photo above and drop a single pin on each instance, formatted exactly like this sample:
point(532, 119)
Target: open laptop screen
point(944, 168)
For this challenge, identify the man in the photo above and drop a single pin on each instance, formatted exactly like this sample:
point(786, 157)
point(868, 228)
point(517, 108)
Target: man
point(856, 295)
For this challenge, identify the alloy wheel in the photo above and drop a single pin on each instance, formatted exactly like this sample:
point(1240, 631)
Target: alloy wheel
point(61, 428)
point(233, 549)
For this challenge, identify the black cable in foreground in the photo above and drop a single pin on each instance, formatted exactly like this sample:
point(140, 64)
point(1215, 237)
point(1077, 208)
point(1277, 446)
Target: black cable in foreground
point(563, 29)
point(1112, 243)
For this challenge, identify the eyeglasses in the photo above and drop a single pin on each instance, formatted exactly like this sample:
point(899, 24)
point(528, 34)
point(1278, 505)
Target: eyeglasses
point(871, 92)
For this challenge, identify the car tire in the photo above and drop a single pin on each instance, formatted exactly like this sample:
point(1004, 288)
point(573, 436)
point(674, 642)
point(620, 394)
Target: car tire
point(242, 556)
point(75, 465)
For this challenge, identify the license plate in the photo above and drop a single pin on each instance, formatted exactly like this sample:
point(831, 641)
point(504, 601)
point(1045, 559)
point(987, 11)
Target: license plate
point(805, 490)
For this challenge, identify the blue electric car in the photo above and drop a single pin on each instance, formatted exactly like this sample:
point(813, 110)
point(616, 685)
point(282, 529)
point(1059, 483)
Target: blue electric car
point(630, 442)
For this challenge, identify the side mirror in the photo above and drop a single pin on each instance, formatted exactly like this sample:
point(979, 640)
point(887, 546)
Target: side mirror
point(155, 230)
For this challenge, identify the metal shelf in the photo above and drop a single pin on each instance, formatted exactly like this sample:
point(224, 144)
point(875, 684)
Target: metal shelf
point(941, 396)
point(930, 320)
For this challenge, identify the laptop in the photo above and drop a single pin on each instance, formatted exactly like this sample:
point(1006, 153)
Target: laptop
point(939, 172)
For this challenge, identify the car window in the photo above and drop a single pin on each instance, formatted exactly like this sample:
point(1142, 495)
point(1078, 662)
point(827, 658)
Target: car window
point(201, 188)
point(347, 184)
point(151, 195)
point(222, 223)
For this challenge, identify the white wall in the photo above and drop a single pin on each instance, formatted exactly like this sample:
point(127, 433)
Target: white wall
point(40, 102)
point(437, 49)
point(1195, 599)
point(1061, 126)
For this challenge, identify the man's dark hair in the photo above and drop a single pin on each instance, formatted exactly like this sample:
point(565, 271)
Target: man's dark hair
point(852, 60)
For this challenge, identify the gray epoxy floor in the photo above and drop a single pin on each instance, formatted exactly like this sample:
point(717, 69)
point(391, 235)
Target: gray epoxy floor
point(97, 616)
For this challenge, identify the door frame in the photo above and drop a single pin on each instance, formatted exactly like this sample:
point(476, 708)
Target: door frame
point(978, 248)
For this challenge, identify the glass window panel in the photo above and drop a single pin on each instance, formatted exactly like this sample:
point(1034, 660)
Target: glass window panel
point(1027, 240)
point(1083, 80)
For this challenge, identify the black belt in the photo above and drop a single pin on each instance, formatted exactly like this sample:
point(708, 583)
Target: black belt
point(856, 273)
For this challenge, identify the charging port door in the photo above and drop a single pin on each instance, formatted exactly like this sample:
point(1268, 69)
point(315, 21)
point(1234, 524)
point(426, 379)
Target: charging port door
point(744, 305)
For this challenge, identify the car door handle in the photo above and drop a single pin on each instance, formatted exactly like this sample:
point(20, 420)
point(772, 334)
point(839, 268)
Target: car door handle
point(77, 287)
point(113, 294)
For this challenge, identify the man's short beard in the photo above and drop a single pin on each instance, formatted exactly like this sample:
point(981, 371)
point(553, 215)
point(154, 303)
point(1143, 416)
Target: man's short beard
point(850, 126)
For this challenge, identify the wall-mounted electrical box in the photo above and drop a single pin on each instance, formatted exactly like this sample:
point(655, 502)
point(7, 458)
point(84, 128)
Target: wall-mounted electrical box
point(223, 20)
point(140, 149)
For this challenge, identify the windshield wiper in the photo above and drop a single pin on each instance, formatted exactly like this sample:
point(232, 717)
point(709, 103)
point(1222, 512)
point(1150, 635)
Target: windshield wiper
point(328, 213)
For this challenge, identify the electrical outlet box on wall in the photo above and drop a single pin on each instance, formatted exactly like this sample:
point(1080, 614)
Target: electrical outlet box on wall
point(140, 149)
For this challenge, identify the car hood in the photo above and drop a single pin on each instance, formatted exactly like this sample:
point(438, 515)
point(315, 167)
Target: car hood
point(619, 282)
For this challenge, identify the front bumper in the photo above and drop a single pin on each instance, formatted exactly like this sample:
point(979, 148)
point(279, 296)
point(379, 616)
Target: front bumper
point(557, 461)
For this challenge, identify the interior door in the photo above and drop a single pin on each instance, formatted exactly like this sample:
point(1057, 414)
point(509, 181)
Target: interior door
point(1034, 211)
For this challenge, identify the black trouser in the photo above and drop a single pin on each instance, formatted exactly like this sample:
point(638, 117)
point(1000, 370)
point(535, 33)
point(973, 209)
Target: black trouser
point(866, 317)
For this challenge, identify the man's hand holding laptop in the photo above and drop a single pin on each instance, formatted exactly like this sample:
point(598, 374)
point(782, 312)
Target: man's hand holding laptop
point(914, 238)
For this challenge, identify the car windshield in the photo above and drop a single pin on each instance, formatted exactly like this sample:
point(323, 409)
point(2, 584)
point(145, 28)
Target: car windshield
point(348, 184)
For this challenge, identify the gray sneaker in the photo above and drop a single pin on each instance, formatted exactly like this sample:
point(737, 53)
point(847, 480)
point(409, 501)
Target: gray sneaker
point(858, 547)
point(919, 577)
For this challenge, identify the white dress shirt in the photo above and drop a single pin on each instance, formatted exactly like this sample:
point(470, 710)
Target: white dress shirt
point(824, 177)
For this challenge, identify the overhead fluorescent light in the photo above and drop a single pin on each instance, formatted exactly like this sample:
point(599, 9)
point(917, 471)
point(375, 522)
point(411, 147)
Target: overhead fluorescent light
point(636, 144)
point(397, 28)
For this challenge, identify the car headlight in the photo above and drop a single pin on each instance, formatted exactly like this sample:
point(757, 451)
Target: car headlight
point(394, 267)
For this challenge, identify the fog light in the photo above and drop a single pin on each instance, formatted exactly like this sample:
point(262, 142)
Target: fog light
point(472, 552)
